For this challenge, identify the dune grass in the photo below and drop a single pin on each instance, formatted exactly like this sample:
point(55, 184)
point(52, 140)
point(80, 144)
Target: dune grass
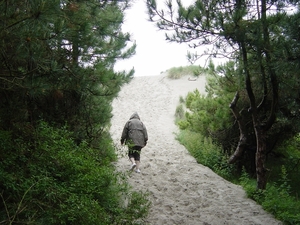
point(178, 72)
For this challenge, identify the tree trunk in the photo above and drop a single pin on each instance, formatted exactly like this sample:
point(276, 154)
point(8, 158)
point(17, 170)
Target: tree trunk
point(260, 157)
point(243, 134)
point(260, 131)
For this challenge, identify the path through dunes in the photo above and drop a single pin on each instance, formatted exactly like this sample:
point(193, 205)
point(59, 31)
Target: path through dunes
point(181, 191)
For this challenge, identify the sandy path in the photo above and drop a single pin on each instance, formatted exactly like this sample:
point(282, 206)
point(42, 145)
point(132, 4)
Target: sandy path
point(181, 191)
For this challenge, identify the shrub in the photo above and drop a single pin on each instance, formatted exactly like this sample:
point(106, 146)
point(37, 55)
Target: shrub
point(179, 113)
point(290, 157)
point(178, 72)
point(276, 199)
point(51, 180)
point(206, 152)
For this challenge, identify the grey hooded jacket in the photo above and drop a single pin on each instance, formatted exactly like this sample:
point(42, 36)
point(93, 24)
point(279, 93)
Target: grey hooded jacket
point(134, 131)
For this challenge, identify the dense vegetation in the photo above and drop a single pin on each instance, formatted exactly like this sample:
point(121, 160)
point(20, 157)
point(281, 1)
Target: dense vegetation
point(57, 85)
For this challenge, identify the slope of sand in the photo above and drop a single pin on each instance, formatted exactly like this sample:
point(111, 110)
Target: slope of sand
point(181, 191)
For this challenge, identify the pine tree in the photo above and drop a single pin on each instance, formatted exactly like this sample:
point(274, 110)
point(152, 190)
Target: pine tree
point(57, 63)
point(250, 33)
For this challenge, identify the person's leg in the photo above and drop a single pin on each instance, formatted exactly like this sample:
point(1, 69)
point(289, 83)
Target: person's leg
point(131, 158)
point(137, 154)
point(137, 162)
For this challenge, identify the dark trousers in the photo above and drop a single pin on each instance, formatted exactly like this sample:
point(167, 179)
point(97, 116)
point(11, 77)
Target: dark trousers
point(134, 152)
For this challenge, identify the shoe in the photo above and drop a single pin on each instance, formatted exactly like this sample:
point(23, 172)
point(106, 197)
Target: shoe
point(132, 166)
point(138, 171)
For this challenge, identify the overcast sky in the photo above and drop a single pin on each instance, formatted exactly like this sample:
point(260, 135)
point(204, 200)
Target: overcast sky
point(153, 53)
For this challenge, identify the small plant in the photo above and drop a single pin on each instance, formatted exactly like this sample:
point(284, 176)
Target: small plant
point(178, 72)
point(181, 100)
point(249, 185)
point(278, 200)
point(205, 152)
point(179, 113)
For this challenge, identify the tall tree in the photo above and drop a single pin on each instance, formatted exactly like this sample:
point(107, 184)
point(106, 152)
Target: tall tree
point(247, 32)
point(57, 62)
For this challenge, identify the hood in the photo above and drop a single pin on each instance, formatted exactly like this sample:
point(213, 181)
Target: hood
point(135, 116)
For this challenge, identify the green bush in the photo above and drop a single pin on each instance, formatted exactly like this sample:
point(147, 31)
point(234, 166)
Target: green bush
point(276, 199)
point(183, 124)
point(179, 113)
point(178, 72)
point(181, 100)
point(206, 152)
point(51, 180)
point(206, 115)
point(290, 157)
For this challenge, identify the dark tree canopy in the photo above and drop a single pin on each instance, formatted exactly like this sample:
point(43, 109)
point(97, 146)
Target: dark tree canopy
point(57, 63)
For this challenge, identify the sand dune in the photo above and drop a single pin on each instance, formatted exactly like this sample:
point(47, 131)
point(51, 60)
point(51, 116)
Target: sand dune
point(181, 191)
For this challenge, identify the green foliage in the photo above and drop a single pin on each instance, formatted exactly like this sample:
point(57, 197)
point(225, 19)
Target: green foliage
point(210, 114)
point(248, 184)
point(51, 180)
point(178, 72)
point(183, 124)
point(290, 149)
point(206, 152)
point(206, 115)
point(179, 113)
point(289, 157)
point(181, 100)
point(57, 64)
point(276, 199)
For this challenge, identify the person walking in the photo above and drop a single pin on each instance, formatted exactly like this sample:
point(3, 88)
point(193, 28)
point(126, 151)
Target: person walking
point(135, 136)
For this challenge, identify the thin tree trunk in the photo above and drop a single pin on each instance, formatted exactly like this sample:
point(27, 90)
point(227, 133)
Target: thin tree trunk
point(260, 157)
point(243, 134)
